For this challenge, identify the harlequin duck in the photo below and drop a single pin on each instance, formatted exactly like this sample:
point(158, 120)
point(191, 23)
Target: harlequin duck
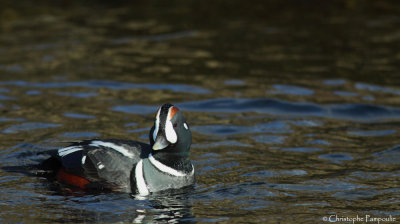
point(130, 166)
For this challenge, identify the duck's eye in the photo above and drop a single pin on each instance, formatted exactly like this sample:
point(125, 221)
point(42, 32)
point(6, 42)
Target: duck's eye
point(175, 124)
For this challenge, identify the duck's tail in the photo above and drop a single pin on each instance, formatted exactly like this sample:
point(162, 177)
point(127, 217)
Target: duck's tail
point(47, 168)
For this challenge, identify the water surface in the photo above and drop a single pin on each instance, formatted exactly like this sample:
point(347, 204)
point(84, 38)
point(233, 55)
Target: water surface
point(294, 108)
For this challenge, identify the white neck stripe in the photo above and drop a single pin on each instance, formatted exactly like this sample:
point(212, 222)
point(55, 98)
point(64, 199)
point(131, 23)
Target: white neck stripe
point(117, 148)
point(140, 182)
point(167, 169)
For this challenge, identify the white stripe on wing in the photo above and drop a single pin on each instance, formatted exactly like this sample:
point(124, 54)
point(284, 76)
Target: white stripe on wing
point(68, 150)
point(113, 146)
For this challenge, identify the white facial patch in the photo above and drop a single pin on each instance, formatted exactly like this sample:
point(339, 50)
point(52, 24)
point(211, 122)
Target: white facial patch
point(185, 125)
point(83, 159)
point(170, 132)
point(156, 125)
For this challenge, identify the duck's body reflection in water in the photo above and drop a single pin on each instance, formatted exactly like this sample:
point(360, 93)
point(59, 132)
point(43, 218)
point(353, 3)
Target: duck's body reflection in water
point(171, 206)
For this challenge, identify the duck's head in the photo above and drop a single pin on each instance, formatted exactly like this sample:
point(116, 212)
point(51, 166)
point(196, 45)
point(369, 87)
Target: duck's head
point(170, 131)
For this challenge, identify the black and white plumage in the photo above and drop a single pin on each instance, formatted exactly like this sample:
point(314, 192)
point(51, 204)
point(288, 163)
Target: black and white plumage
point(130, 166)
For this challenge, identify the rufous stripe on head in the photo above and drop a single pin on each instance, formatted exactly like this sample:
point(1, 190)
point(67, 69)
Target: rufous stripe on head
point(172, 112)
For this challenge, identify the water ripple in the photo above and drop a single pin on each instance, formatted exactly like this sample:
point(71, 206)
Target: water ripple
point(334, 82)
point(302, 149)
point(33, 92)
point(156, 37)
point(2, 97)
point(135, 109)
point(274, 106)
point(234, 82)
point(372, 133)
point(79, 116)
point(356, 111)
point(113, 85)
point(80, 135)
point(28, 127)
point(5, 119)
point(336, 158)
point(345, 93)
point(291, 90)
point(270, 127)
point(270, 173)
point(322, 186)
point(221, 143)
point(389, 156)
point(269, 139)
point(318, 142)
point(376, 88)
point(78, 94)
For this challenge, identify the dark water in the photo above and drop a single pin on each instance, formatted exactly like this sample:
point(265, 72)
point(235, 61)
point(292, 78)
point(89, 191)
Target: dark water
point(294, 106)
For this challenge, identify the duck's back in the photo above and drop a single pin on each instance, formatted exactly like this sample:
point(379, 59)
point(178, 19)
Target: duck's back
point(99, 164)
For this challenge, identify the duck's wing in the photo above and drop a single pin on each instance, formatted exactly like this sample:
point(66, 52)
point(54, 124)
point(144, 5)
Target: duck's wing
point(105, 163)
